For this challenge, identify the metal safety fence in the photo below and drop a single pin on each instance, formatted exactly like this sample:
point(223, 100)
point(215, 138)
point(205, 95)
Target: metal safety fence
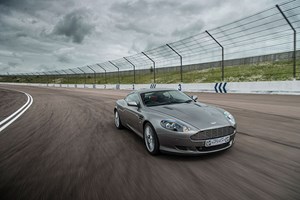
point(262, 46)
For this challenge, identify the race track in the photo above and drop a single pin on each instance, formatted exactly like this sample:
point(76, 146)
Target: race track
point(65, 146)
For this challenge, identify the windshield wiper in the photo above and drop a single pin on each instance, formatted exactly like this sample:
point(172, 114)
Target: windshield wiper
point(187, 101)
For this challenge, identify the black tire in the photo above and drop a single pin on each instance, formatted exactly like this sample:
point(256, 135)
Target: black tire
point(117, 119)
point(153, 150)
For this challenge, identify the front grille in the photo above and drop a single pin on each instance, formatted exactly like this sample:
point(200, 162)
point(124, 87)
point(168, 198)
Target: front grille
point(213, 133)
point(213, 148)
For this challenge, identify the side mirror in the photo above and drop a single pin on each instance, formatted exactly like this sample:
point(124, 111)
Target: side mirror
point(132, 103)
point(194, 97)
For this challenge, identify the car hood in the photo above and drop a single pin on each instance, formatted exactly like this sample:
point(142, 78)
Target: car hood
point(200, 116)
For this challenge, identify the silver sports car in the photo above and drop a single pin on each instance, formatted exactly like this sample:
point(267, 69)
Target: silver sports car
point(171, 121)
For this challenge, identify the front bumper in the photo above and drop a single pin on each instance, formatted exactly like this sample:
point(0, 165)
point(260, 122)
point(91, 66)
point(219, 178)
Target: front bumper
point(183, 144)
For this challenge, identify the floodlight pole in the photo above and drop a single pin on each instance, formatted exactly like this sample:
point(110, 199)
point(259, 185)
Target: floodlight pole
point(295, 40)
point(222, 53)
point(180, 61)
point(133, 69)
point(153, 64)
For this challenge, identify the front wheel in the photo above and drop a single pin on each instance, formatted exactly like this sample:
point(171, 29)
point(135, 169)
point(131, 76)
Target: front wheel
point(118, 122)
point(151, 140)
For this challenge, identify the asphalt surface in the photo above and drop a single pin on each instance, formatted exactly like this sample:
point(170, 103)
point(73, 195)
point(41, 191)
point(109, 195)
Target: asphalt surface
point(65, 146)
point(10, 101)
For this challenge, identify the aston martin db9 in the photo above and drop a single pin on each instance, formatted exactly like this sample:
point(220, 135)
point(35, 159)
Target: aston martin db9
point(171, 121)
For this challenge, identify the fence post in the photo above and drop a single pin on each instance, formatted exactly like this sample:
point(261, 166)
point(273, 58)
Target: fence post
point(295, 40)
point(181, 80)
point(84, 76)
point(39, 75)
point(133, 69)
point(46, 77)
point(53, 77)
point(152, 62)
point(222, 53)
point(28, 77)
point(118, 70)
point(67, 75)
point(104, 72)
point(58, 74)
point(75, 77)
point(33, 75)
point(94, 75)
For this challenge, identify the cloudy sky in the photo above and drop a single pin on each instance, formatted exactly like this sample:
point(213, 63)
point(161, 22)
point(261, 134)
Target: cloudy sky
point(44, 35)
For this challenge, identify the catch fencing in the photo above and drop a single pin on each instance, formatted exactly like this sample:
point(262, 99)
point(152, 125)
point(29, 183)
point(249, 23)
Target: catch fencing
point(262, 46)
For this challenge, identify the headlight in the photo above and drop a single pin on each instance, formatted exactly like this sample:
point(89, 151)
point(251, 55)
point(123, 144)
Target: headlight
point(229, 117)
point(174, 126)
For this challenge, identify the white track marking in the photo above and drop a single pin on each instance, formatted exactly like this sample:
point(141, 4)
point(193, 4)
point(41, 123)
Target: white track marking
point(9, 117)
point(13, 117)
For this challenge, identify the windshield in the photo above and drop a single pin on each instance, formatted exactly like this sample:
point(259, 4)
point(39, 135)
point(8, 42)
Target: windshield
point(157, 98)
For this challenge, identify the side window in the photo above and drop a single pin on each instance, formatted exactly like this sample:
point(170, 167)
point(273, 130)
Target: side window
point(132, 97)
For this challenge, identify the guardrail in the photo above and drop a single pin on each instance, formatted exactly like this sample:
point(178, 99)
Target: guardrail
point(264, 87)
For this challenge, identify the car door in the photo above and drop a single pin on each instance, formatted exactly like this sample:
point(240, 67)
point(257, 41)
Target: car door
point(133, 113)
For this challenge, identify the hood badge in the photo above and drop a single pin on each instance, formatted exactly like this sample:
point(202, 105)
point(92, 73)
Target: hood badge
point(212, 123)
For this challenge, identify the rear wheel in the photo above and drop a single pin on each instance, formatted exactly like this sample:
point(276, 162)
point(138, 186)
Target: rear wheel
point(118, 122)
point(151, 140)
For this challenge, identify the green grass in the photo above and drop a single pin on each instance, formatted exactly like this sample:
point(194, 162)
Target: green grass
point(264, 71)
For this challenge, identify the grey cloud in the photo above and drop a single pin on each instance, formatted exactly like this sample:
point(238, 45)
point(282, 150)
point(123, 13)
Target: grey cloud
point(157, 22)
point(75, 25)
point(30, 6)
point(130, 27)
point(137, 28)
point(4, 10)
point(64, 58)
point(33, 21)
point(13, 64)
point(64, 55)
point(139, 8)
point(190, 29)
point(144, 9)
point(197, 7)
point(20, 34)
point(45, 68)
point(27, 6)
point(6, 69)
point(146, 43)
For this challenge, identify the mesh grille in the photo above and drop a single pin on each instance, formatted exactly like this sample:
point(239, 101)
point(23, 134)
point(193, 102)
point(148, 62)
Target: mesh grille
point(213, 148)
point(213, 133)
